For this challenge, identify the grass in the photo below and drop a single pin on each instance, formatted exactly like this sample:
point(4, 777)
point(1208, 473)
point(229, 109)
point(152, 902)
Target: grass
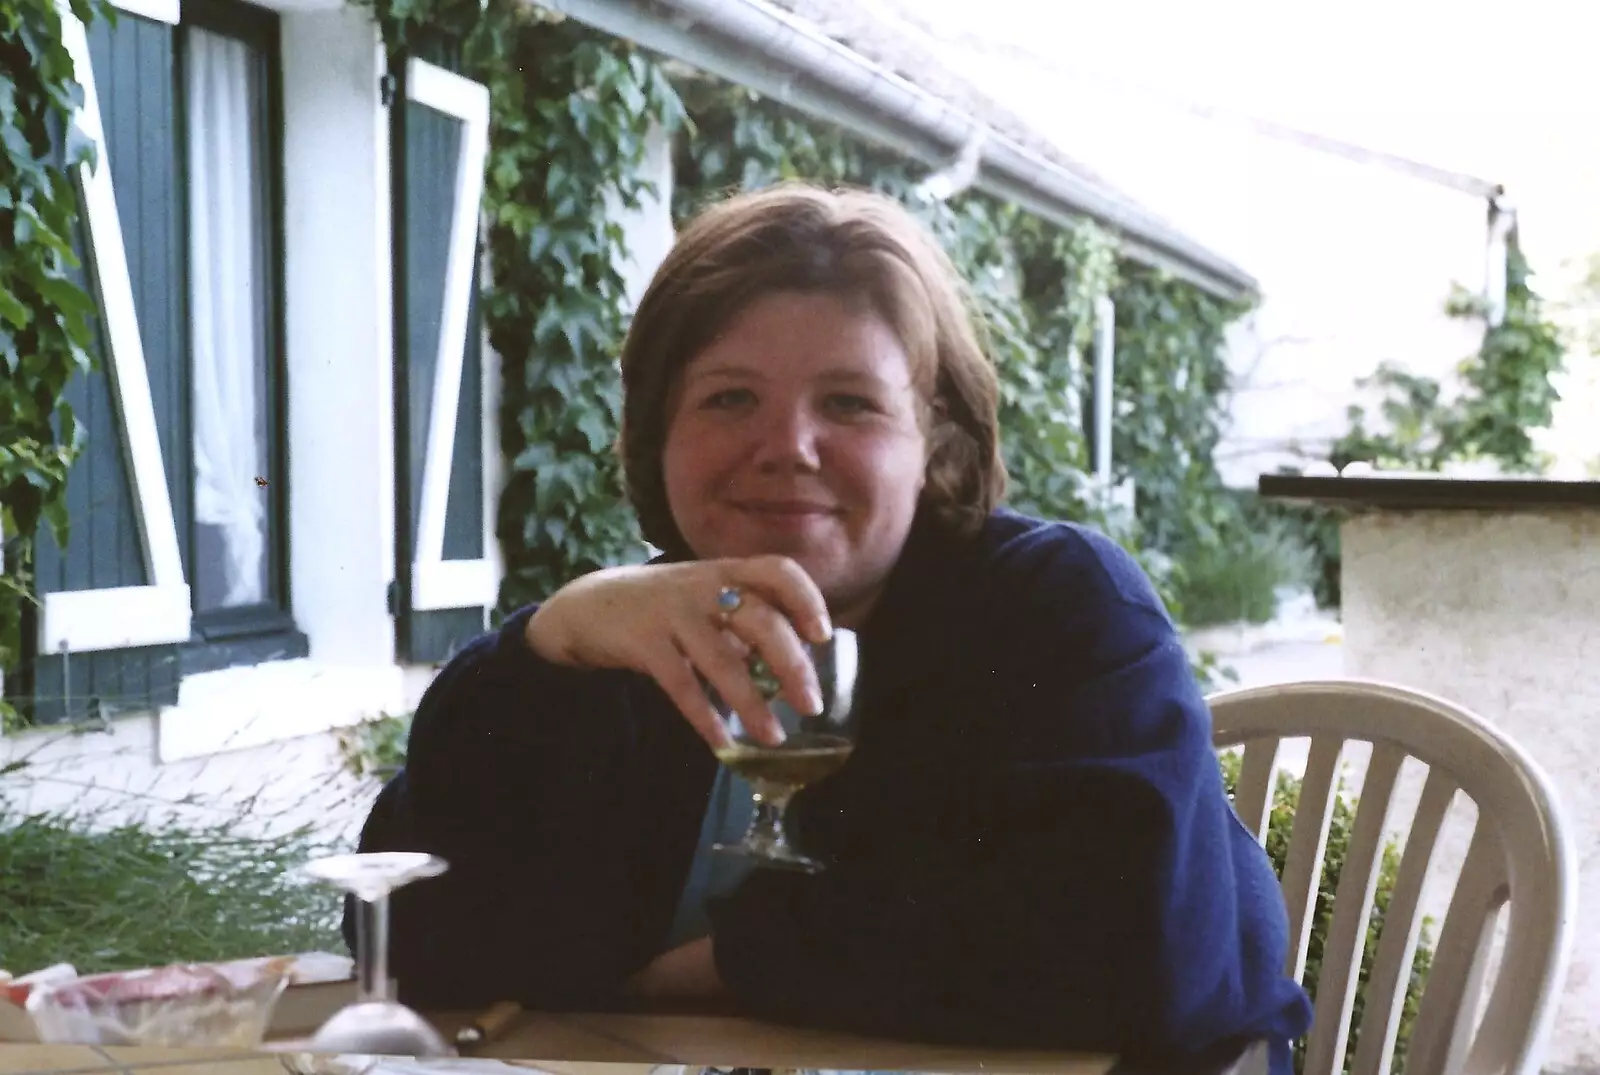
point(137, 895)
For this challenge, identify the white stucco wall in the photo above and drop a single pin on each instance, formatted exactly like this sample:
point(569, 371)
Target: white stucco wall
point(1500, 613)
point(647, 232)
point(338, 340)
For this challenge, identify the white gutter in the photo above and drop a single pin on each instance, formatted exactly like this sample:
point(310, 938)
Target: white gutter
point(757, 45)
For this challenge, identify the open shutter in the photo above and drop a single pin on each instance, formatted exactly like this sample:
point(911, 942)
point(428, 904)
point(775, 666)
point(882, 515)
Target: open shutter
point(446, 577)
point(115, 603)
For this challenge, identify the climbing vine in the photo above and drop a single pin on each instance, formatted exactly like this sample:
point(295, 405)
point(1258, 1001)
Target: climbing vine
point(46, 318)
point(1171, 373)
point(572, 115)
point(1504, 391)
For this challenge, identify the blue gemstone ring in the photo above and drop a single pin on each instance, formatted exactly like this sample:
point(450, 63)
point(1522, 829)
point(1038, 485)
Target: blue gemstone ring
point(729, 598)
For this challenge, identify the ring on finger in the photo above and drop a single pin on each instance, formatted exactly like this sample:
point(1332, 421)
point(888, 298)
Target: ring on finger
point(729, 600)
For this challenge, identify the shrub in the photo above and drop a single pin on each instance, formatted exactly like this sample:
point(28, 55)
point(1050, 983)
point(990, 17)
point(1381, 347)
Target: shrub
point(376, 748)
point(1285, 797)
point(1239, 576)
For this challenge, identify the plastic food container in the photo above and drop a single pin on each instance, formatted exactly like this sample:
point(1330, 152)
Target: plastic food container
point(192, 1004)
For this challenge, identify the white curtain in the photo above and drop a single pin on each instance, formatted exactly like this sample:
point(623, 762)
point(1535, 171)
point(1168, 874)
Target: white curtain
point(226, 315)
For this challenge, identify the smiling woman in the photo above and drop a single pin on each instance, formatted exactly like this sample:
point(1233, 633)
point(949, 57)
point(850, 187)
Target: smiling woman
point(1029, 844)
point(798, 432)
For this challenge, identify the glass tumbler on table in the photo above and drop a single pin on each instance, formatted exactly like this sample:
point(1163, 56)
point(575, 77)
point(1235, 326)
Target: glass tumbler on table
point(375, 1023)
point(815, 747)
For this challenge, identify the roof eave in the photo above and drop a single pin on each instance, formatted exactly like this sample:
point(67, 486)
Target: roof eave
point(764, 48)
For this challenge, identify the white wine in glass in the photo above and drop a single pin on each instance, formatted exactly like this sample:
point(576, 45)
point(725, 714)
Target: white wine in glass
point(815, 747)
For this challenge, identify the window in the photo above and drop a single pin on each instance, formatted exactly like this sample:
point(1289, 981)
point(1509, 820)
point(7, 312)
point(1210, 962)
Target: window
point(227, 74)
point(177, 558)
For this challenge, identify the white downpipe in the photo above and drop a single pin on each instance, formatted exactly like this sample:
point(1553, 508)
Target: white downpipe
point(1105, 330)
point(1496, 270)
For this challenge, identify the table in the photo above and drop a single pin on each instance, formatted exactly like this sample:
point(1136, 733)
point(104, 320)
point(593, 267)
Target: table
point(600, 1044)
point(727, 1041)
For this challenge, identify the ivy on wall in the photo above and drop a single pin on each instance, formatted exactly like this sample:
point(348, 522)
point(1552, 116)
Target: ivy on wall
point(1505, 392)
point(46, 319)
point(572, 112)
point(1171, 377)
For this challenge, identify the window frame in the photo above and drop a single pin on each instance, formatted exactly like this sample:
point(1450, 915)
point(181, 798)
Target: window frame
point(231, 637)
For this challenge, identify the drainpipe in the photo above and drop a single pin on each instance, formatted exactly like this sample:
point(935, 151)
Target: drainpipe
point(760, 46)
point(1502, 226)
point(1105, 328)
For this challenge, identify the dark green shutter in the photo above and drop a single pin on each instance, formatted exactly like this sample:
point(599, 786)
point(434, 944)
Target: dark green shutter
point(445, 576)
point(133, 76)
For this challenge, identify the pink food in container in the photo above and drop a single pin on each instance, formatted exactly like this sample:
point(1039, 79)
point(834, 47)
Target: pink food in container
point(196, 1004)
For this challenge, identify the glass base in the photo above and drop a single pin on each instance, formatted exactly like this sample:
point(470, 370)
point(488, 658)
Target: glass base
point(382, 1027)
point(781, 856)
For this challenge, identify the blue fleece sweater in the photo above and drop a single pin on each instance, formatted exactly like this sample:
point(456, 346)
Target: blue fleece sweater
point(1030, 846)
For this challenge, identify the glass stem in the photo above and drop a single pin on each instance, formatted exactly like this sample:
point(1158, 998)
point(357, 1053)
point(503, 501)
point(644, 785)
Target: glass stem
point(766, 826)
point(372, 950)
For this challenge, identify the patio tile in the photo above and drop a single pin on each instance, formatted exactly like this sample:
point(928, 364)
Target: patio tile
point(580, 1067)
point(166, 1059)
point(34, 1059)
point(253, 1064)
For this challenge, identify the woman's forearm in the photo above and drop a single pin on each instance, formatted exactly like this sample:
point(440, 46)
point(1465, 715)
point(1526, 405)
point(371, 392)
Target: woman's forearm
point(686, 972)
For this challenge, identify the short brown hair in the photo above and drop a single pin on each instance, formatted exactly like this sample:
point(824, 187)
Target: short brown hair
point(852, 243)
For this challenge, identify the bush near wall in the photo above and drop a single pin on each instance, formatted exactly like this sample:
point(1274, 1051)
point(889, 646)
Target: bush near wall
point(1285, 798)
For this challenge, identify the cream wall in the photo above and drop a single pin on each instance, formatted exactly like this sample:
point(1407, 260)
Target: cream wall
point(1500, 613)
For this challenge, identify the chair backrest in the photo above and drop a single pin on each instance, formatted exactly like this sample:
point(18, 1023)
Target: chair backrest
point(1519, 855)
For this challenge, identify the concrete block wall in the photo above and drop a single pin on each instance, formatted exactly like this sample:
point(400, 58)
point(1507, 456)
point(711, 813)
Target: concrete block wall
point(1499, 612)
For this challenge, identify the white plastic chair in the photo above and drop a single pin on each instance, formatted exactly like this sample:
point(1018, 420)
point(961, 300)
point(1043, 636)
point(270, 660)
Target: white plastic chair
point(1520, 853)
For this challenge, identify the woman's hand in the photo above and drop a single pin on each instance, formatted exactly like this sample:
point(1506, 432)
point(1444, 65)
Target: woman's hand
point(671, 621)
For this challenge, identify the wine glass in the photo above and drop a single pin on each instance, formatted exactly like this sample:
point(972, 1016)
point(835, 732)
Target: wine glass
point(815, 747)
point(375, 1023)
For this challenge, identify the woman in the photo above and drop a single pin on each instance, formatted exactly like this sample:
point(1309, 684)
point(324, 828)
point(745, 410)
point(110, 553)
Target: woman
point(1031, 844)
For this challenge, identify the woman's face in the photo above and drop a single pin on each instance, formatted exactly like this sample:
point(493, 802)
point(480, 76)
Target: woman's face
point(796, 432)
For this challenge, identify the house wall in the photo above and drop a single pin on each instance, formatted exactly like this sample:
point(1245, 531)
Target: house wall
point(1355, 265)
point(268, 735)
point(1355, 262)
